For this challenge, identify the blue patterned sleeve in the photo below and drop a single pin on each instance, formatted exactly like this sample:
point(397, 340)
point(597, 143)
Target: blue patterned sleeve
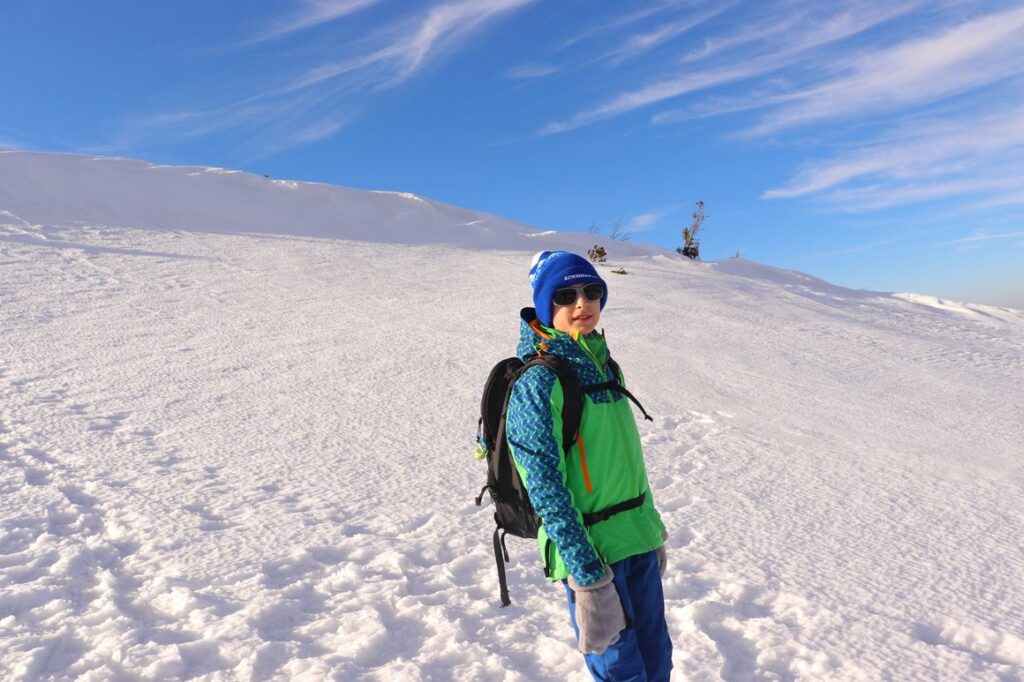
point(530, 430)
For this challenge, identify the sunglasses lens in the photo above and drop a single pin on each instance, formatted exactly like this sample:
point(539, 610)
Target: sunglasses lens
point(564, 296)
point(569, 295)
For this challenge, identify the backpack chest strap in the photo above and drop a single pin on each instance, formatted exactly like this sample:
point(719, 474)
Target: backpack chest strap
point(605, 514)
point(616, 386)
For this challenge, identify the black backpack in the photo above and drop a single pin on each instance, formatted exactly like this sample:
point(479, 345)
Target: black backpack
point(513, 512)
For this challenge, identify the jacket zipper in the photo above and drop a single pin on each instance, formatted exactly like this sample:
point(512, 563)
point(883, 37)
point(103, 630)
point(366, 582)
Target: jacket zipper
point(583, 462)
point(602, 371)
point(579, 438)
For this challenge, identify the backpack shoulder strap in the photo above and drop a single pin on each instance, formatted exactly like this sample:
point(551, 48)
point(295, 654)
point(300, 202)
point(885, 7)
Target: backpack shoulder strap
point(572, 405)
point(616, 385)
point(616, 370)
point(493, 402)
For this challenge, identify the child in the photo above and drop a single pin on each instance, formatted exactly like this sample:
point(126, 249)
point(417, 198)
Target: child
point(601, 535)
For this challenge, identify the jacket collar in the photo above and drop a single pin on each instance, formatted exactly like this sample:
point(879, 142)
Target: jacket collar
point(536, 338)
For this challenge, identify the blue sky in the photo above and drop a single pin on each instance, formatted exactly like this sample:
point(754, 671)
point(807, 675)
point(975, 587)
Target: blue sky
point(873, 144)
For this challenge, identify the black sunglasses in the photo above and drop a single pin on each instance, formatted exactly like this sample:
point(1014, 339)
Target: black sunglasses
point(568, 295)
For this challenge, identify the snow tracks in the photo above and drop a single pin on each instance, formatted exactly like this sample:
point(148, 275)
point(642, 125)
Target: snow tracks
point(72, 584)
point(724, 625)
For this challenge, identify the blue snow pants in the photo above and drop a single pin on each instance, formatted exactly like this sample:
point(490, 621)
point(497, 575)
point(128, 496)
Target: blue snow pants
point(643, 652)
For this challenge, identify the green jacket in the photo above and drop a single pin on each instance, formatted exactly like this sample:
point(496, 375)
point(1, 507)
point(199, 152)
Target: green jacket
point(605, 467)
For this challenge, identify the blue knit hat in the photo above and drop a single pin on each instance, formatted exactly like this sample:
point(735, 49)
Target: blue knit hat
point(551, 270)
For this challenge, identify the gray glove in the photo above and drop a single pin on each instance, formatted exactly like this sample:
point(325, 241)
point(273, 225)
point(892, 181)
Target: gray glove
point(599, 614)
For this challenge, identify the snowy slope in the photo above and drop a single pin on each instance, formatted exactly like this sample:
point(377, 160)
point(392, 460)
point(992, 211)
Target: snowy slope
point(236, 423)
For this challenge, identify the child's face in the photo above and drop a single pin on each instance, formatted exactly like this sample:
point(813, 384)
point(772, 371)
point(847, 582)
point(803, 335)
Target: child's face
point(580, 316)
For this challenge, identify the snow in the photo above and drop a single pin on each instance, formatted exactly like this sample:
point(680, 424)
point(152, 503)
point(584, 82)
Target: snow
point(236, 435)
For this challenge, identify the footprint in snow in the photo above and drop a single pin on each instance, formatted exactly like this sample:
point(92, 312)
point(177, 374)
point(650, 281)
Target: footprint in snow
point(39, 455)
point(75, 495)
point(167, 462)
point(753, 629)
point(682, 536)
point(209, 520)
point(35, 476)
point(110, 423)
point(977, 641)
point(417, 524)
point(669, 501)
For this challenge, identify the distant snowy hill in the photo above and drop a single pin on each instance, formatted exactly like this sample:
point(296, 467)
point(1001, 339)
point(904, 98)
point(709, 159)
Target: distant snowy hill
point(54, 189)
point(236, 425)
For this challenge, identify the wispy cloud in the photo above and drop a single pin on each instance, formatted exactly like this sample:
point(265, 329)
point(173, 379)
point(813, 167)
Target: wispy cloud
point(623, 20)
point(969, 56)
point(970, 154)
point(415, 44)
point(859, 248)
point(750, 32)
point(531, 70)
point(915, 150)
point(983, 236)
point(777, 52)
point(445, 28)
point(644, 221)
point(310, 14)
point(881, 195)
point(1004, 199)
point(640, 43)
point(317, 102)
point(712, 105)
point(318, 130)
point(926, 150)
point(651, 94)
point(630, 47)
